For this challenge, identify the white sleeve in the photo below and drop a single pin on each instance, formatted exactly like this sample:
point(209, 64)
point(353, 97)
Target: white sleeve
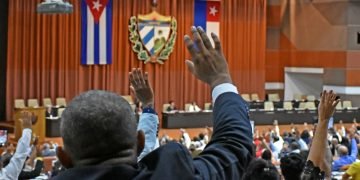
point(223, 88)
point(14, 168)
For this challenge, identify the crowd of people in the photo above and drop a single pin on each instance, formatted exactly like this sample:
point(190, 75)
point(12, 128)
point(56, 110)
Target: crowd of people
point(102, 139)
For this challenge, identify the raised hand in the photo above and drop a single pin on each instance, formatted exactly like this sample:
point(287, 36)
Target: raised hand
point(327, 106)
point(141, 88)
point(208, 63)
point(27, 119)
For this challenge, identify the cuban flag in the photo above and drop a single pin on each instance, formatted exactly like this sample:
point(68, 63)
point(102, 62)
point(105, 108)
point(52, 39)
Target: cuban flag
point(96, 31)
point(207, 15)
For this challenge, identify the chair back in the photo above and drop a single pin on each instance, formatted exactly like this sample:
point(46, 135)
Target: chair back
point(347, 104)
point(288, 105)
point(207, 106)
point(274, 97)
point(255, 97)
point(60, 101)
point(310, 105)
point(165, 106)
point(33, 103)
point(339, 106)
point(246, 97)
point(19, 103)
point(297, 97)
point(47, 102)
point(60, 111)
point(187, 106)
point(129, 99)
point(269, 106)
point(310, 98)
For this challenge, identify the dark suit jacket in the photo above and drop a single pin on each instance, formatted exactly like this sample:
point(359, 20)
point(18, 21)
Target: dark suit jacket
point(225, 157)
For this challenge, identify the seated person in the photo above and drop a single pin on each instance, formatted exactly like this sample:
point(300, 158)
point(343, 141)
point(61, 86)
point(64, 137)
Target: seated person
point(100, 116)
point(353, 172)
point(194, 107)
point(49, 111)
point(47, 150)
point(172, 106)
point(344, 157)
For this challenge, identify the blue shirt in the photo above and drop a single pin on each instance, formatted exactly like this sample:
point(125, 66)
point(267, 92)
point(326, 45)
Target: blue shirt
point(348, 159)
point(148, 123)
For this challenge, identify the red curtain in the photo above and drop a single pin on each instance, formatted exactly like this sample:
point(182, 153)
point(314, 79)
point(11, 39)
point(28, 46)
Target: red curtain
point(44, 52)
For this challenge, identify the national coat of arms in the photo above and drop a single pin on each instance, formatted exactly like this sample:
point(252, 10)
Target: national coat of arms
point(152, 36)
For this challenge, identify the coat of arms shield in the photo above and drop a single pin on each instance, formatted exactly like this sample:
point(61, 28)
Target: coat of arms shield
point(152, 36)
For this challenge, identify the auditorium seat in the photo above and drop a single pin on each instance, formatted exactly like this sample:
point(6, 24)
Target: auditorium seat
point(33, 103)
point(207, 106)
point(129, 99)
point(310, 98)
point(60, 111)
point(19, 103)
point(302, 105)
point(274, 97)
point(310, 105)
point(297, 97)
point(60, 101)
point(255, 97)
point(269, 106)
point(165, 106)
point(339, 106)
point(47, 102)
point(288, 105)
point(187, 106)
point(246, 97)
point(347, 104)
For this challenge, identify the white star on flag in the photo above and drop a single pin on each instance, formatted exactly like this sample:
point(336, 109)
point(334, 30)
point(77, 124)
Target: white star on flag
point(96, 5)
point(213, 10)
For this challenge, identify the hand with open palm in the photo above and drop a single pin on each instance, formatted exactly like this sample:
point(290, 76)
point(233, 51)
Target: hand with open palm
point(141, 88)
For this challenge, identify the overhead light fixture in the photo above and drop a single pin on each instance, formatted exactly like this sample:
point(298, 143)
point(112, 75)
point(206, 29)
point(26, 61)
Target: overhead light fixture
point(54, 7)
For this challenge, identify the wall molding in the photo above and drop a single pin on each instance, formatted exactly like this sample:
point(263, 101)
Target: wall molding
point(274, 85)
point(304, 70)
point(348, 90)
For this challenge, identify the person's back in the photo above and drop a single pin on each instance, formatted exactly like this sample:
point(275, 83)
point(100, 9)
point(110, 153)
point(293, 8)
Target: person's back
point(100, 140)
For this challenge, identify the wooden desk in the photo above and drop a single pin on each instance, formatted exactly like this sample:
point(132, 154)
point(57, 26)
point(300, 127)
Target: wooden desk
point(38, 129)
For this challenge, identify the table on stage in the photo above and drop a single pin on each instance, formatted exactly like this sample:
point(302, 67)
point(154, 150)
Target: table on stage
point(204, 118)
point(52, 126)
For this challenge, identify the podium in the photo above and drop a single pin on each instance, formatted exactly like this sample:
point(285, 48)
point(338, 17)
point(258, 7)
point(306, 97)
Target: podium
point(38, 129)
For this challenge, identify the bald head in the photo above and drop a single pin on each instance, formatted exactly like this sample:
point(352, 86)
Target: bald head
point(343, 150)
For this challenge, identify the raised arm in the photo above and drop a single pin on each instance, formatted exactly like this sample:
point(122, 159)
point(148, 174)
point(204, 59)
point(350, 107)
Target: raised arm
point(354, 149)
point(230, 149)
point(149, 120)
point(13, 169)
point(319, 148)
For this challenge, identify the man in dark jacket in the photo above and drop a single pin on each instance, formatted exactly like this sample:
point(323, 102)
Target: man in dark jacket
point(100, 139)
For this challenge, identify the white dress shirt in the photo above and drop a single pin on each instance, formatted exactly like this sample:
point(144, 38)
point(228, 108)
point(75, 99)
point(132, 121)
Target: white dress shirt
point(14, 168)
point(223, 88)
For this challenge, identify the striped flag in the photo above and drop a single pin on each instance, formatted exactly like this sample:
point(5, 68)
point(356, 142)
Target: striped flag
point(207, 15)
point(96, 31)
